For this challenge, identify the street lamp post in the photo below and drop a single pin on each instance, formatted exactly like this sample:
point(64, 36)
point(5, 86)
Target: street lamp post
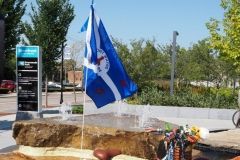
point(175, 34)
point(61, 98)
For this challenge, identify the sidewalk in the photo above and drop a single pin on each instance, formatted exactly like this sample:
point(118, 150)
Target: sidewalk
point(6, 132)
point(7, 143)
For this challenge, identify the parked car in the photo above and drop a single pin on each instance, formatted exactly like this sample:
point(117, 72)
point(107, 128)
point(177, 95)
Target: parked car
point(54, 85)
point(79, 87)
point(9, 84)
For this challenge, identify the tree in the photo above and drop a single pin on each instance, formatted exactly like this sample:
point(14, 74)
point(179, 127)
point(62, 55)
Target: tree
point(225, 35)
point(143, 62)
point(2, 35)
point(74, 62)
point(49, 25)
point(205, 63)
point(12, 11)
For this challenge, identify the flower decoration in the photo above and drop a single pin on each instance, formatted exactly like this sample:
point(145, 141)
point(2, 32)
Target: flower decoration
point(186, 134)
point(179, 141)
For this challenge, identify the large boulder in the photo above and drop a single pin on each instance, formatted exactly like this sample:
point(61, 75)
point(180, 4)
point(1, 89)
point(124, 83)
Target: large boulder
point(55, 133)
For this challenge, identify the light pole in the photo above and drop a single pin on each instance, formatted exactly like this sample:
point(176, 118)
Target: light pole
point(61, 98)
point(175, 34)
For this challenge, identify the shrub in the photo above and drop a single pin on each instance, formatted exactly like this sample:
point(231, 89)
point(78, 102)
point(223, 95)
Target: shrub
point(188, 98)
point(77, 109)
point(4, 90)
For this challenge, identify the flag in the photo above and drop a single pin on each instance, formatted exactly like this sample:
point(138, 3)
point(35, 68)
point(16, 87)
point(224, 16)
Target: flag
point(105, 78)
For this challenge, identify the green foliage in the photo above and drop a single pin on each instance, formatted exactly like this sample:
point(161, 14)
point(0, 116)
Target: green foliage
point(77, 109)
point(12, 10)
point(222, 91)
point(225, 35)
point(4, 90)
point(10, 67)
point(185, 97)
point(144, 62)
point(148, 63)
point(48, 29)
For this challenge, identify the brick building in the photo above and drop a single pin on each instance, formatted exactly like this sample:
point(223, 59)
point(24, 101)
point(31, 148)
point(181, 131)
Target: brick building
point(78, 77)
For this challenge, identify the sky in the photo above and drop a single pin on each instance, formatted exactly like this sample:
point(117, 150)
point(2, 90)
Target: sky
point(127, 20)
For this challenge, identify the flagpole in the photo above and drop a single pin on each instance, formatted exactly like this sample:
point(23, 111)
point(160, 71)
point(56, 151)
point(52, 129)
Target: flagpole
point(84, 102)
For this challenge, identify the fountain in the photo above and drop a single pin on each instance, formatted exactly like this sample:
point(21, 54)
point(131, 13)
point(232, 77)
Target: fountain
point(144, 118)
point(103, 129)
point(65, 110)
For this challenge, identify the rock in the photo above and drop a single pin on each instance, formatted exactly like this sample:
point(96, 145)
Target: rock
point(101, 154)
point(15, 156)
point(106, 154)
point(55, 133)
point(113, 152)
point(225, 141)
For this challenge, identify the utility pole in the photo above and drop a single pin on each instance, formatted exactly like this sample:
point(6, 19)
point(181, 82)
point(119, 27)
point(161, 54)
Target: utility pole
point(2, 37)
point(175, 34)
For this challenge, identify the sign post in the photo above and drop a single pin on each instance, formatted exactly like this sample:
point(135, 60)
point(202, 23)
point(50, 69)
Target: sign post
point(29, 82)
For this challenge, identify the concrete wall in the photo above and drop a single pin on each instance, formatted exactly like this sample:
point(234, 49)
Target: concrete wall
point(162, 111)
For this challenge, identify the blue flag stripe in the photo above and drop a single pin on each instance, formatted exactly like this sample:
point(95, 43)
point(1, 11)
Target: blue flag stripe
point(105, 77)
point(84, 27)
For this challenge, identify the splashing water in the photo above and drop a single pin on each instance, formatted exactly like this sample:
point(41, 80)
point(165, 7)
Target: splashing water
point(144, 117)
point(65, 111)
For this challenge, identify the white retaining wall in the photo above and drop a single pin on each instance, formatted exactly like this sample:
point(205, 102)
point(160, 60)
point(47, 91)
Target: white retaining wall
point(162, 111)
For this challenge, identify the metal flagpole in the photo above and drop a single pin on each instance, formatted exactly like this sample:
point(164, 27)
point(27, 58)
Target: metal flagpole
point(84, 104)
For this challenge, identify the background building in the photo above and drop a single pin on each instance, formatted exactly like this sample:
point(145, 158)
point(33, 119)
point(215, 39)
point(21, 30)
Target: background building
point(78, 77)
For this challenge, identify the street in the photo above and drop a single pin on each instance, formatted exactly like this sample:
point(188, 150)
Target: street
point(8, 102)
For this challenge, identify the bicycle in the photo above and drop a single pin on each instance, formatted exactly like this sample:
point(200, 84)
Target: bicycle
point(236, 118)
point(236, 115)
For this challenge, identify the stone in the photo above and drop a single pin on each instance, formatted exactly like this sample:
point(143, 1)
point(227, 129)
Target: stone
point(58, 153)
point(106, 154)
point(15, 156)
point(56, 133)
point(227, 142)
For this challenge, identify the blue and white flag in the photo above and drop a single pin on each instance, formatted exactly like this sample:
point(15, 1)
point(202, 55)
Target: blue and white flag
point(105, 78)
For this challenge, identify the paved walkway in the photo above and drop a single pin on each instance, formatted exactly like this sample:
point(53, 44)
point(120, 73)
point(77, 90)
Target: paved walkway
point(222, 142)
point(6, 132)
